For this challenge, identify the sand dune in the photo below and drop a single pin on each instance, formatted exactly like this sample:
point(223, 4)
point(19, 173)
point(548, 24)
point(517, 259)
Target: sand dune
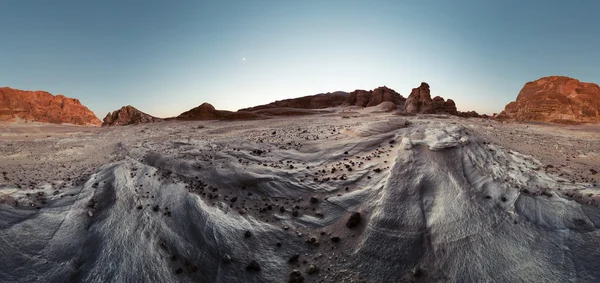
point(371, 198)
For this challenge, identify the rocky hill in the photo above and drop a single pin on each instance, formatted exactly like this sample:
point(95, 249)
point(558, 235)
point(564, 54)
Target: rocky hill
point(42, 106)
point(128, 115)
point(208, 112)
point(374, 97)
point(317, 101)
point(555, 99)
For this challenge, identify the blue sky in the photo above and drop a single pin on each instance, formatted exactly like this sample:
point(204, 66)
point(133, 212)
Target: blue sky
point(165, 57)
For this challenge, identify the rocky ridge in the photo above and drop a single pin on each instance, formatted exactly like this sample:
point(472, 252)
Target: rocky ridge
point(42, 106)
point(363, 98)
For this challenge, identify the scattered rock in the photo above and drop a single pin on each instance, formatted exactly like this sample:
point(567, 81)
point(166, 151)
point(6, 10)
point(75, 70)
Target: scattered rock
point(354, 220)
point(253, 266)
point(312, 269)
point(296, 277)
point(294, 258)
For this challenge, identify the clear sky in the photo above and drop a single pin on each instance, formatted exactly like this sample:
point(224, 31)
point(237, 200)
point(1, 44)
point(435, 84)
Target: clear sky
point(165, 57)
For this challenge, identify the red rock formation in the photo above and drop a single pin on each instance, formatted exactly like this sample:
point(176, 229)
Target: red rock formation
point(375, 97)
point(128, 115)
point(555, 99)
point(444, 106)
point(419, 101)
point(208, 112)
point(41, 106)
point(317, 101)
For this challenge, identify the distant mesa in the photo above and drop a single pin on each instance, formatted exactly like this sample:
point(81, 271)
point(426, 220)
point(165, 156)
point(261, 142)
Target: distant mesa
point(317, 101)
point(208, 112)
point(42, 106)
point(128, 115)
point(555, 99)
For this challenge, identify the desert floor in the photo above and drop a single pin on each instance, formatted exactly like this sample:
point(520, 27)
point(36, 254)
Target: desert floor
point(347, 196)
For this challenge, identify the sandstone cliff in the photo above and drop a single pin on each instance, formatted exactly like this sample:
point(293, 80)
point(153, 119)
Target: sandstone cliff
point(41, 106)
point(128, 115)
point(555, 99)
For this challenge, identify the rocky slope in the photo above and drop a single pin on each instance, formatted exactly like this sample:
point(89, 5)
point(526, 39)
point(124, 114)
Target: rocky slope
point(555, 99)
point(419, 101)
point(128, 115)
point(208, 112)
point(41, 106)
point(317, 101)
point(374, 97)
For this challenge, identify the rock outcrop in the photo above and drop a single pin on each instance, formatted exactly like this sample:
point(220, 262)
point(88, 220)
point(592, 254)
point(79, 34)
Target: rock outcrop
point(128, 115)
point(42, 106)
point(317, 101)
point(208, 112)
point(555, 99)
point(363, 98)
point(419, 101)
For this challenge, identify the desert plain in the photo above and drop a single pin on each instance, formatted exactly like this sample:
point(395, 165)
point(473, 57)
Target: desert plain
point(346, 195)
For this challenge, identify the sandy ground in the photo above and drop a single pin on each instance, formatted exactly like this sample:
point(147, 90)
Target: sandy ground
point(353, 196)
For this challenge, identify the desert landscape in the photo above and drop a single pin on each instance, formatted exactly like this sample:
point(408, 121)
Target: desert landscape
point(299, 141)
point(402, 190)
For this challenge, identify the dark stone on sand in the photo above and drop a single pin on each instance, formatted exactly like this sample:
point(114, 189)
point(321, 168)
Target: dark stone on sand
point(312, 269)
point(248, 234)
point(296, 277)
point(294, 258)
point(354, 220)
point(253, 266)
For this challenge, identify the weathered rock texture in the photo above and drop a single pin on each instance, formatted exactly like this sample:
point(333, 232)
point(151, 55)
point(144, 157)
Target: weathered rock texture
point(555, 99)
point(374, 97)
point(128, 115)
point(419, 101)
point(208, 112)
point(317, 101)
point(41, 106)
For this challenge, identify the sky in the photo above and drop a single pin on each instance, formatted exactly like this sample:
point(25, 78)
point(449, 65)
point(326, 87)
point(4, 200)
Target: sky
point(166, 57)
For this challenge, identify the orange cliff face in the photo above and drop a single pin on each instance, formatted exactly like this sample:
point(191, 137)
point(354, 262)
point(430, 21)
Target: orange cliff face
point(555, 99)
point(41, 106)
